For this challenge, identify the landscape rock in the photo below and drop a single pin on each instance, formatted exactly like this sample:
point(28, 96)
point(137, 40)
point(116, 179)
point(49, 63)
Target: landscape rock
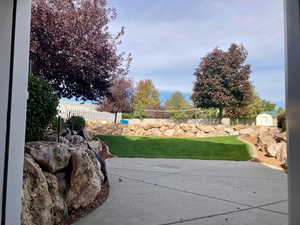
point(266, 140)
point(281, 154)
point(247, 131)
point(207, 129)
point(52, 156)
point(169, 133)
point(193, 130)
point(59, 178)
point(155, 132)
point(75, 139)
point(59, 207)
point(86, 180)
point(147, 126)
point(163, 129)
point(36, 199)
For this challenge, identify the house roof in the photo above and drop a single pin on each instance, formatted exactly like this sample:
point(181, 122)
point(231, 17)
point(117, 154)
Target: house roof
point(271, 113)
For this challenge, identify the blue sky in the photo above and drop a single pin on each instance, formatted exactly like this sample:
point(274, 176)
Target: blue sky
point(168, 38)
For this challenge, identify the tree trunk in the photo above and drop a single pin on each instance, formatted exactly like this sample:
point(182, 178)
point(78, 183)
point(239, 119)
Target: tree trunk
point(116, 115)
point(221, 109)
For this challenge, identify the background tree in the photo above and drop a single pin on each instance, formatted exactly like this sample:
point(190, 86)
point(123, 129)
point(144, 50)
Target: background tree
point(250, 111)
point(72, 48)
point(146, 95)
point(267, 106)
point(177, 102)
point(120, 97)
point(280, 110)
point(222, 79)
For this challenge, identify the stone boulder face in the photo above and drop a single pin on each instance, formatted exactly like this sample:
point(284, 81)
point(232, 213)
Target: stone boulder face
point(247, 131)
point(59, 207)
point(265, 140)
point(281, 154)
point(52, 156)
point(169, 133)
point(75, 139)
point(36, 198)
point(60, 178)
point(86, 179)
point(273, 149)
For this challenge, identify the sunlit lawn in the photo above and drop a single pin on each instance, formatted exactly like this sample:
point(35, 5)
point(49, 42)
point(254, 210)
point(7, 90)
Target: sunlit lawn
point(216, 148)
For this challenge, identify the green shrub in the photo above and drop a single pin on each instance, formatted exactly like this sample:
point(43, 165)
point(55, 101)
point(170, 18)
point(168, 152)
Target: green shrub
point(41, 107)
point(138, 112)
point(55, 121)
point(76, 123)
point(282, 121)
point(180, 117)
point(127, 116)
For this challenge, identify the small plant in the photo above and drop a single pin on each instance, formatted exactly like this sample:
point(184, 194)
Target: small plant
point(76, 123)
point(41, 107)
point(282, 121)
point(180, 117)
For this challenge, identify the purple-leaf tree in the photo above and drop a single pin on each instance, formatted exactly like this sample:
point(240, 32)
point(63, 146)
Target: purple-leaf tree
point(72, 48)
point(222, 80)
point(120, 97)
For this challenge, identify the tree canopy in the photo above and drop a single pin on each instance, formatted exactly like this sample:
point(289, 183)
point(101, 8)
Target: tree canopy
point(256, 106)
point(72, 48)
point(146, 95)
point(177, 102)
point(222, 79)
point(120, 97)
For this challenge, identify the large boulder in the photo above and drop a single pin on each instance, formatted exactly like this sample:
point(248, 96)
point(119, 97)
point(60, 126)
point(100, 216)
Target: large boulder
point(169, 133)
point(247, 131)
point(265, 140)
point(155, 132)
point(140, 132)
point(193, 129)
point(36, 198)
point(59, 207)
point(60, 178)
point(207, 129)
point(185, 127)
point(281, 137)
point(51, 156)
point(75, 139)
point(281, 154)
point(278, 151)
point(164, 129)
point(85, 181)
point(179, 132)
point(147, 126)
point(231, 131)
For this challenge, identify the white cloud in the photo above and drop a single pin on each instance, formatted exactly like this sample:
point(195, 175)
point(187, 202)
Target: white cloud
point(165, 41)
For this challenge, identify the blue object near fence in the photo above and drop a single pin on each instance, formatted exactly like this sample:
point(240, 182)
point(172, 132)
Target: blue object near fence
point(125, 122)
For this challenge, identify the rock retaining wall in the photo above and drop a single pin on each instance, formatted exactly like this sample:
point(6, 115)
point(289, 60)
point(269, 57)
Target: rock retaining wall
point(168, 130)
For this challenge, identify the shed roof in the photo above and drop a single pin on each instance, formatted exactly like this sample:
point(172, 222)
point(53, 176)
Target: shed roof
point(271, 113)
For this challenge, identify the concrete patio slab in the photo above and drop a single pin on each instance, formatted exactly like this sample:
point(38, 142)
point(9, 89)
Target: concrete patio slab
point(175, 191)
point(251, 217)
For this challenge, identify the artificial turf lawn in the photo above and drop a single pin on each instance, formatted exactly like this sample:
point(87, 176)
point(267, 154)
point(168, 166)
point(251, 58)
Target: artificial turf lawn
point(215, 148)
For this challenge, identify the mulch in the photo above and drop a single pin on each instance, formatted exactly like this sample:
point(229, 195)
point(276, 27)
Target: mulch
point(75, 215)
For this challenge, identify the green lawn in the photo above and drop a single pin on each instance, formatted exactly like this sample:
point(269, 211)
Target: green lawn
point(216, 148)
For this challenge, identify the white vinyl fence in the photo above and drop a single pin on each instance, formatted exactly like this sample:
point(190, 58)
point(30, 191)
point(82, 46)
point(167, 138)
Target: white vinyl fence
point(87, 111)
